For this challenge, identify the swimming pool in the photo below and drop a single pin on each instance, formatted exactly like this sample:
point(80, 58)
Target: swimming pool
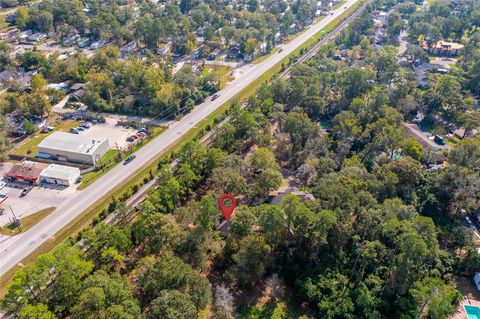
point(472, 312)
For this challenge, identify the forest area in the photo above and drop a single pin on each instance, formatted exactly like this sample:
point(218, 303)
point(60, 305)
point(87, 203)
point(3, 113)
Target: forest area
point(385, 236)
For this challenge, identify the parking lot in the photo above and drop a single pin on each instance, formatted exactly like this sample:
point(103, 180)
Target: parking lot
point(116, 135)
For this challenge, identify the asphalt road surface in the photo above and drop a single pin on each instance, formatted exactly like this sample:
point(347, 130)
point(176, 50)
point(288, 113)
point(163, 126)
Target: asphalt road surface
point(20, 246)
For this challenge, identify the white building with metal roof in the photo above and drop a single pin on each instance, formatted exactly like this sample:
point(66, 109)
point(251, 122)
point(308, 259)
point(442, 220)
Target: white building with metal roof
point(60, 175)
point(73, 148)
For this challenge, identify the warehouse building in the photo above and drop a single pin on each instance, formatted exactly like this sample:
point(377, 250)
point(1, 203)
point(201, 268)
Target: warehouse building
point(60, 175)
point(73, 148)
point(26, 172)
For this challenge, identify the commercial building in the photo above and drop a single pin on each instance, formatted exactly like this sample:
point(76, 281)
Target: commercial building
point(73, 148)
point(26, 172)
point(60, 175)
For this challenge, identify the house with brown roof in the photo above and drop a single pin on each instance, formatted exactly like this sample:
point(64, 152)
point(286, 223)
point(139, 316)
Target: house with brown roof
point(444, 48)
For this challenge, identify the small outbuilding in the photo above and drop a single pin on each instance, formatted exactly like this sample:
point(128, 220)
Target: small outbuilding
point(60, 175)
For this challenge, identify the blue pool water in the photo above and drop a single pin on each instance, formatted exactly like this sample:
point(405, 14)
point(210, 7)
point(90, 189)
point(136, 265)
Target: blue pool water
point(472, 312)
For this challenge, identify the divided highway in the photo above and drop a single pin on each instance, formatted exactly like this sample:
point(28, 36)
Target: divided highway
point(18, 247)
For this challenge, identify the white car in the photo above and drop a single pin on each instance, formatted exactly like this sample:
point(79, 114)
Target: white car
point(469, 221)
point(2, 185)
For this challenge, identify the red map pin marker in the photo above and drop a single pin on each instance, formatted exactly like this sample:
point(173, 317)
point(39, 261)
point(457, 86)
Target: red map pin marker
point(227, 210)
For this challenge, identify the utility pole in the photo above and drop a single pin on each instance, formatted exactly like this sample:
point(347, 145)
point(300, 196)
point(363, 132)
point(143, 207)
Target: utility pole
point(15, 220)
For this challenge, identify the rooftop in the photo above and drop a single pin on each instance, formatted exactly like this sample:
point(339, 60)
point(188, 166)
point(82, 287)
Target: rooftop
point(59, 171)
point(74, 143)
point(26, 170)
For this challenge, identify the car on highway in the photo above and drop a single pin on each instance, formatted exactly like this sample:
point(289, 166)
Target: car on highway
point(25, 191)
point(129, 159)
point(214, 97)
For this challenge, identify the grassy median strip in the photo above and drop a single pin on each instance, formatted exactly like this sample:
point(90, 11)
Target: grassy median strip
point(26, 222)
point(85, 218)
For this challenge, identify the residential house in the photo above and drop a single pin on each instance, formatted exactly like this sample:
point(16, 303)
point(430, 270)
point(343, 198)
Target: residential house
point(444, 48)
point(165, 48)
point(83, 43)
point(37, 37)
point(233, 52)
point(14, 79)
point(276, 198)
point(98, 44)
point(71, 40)
point(129, 48)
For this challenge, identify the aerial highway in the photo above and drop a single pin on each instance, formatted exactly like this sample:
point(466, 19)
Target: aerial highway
point(15, 249)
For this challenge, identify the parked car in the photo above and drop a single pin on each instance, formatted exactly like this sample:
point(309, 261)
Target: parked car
point(468, 221)
point(130, 139)
point(80, 128)
point(73, 131)
point(214, 97)
point(135, 136)
point(3, 197)
point(129, 159)
point(439, 139)
point(25, 191)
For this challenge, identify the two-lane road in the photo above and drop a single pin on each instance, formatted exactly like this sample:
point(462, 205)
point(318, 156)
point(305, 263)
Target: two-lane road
point(20, 246)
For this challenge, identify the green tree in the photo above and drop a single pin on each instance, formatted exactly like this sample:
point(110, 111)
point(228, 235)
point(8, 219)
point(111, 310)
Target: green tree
point(103, 295)
point(435, 298)
point(22, 18)
point(251, 260)
point(172, 304)
point(268, 180)
point(38, 311)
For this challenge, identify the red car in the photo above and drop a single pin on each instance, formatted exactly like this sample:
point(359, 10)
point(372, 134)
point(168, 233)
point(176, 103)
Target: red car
point(3, 197)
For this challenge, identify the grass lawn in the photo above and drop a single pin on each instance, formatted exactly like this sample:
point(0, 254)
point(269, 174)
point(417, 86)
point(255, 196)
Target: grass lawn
point(84, 219)
point(30, 144)
point(27, 222)
point(220, 73)
point(262, 58)
point(108, 160)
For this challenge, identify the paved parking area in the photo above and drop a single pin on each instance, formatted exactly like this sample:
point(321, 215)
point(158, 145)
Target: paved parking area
point(117, 135)
point(37, 199)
